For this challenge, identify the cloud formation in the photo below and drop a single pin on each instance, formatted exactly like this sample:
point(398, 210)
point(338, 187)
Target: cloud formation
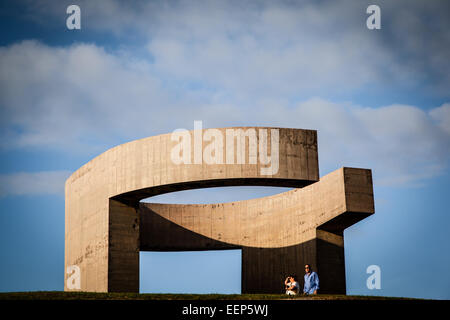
point(81, 98)
point(238, 63)
point(284, 47)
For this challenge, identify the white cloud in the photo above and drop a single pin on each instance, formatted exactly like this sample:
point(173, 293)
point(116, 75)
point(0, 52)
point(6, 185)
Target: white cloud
point(236, 63)
point(442, 116)
point(33, 183)
point(275, 49)
point(402, 144)
point(57, 97)
point(81, 98)
point(282, 47)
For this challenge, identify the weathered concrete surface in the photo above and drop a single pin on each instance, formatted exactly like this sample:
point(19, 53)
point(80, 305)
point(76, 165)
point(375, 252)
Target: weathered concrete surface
point(278, 234)
point(106, 226)
point(99, 234)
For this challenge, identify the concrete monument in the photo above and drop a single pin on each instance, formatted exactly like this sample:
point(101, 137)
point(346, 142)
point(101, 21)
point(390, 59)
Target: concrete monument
point(106, 225)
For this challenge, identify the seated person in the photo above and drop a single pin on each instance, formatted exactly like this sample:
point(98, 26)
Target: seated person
point(291, 285)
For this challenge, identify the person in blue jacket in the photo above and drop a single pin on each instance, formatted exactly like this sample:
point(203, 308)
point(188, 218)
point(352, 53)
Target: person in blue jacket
point(311, 281)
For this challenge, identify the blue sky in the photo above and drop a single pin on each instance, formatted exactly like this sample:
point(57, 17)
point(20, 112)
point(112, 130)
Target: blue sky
point(379, 99)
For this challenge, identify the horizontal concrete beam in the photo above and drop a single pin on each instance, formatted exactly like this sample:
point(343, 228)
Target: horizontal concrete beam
point(280, 220)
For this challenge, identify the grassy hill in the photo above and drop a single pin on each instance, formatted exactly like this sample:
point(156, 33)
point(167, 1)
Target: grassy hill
point(60, 295)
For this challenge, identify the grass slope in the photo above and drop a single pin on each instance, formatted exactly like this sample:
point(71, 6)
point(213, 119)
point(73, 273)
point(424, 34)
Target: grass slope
point(61, 295)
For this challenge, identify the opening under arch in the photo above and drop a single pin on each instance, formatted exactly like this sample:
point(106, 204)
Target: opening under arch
point(200, 272)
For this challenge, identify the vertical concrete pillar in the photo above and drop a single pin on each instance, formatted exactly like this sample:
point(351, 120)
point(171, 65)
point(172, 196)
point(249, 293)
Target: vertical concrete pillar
point(265, 269)
point(123, 258)
point(330, 262)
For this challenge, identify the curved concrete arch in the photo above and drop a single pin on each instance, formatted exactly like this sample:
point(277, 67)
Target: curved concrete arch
point(281, 220)
point(107, 226)
point(278, 235)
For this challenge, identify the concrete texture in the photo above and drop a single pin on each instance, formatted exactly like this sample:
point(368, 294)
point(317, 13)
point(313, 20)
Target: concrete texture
point(107, 225)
